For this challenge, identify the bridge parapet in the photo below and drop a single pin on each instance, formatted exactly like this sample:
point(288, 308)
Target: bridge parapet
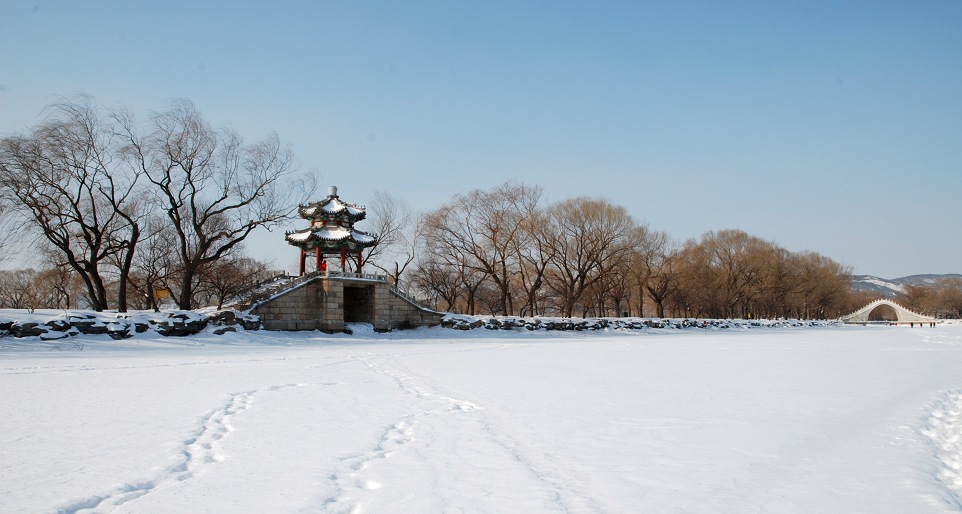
point(357, 276)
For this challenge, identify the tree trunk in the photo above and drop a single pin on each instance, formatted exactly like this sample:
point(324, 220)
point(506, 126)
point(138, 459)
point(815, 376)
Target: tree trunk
point(95, 286)
point(185, 302)
point(125, 270)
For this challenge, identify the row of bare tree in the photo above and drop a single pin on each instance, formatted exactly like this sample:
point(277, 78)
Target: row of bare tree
point(503, 251)
point(128, 206)
point(62, 288)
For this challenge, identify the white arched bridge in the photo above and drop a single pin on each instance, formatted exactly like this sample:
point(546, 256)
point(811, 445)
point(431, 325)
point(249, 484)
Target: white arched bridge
point(902, 314)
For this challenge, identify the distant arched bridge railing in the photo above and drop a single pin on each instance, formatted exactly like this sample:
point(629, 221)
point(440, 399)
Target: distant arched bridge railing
point(902, 314)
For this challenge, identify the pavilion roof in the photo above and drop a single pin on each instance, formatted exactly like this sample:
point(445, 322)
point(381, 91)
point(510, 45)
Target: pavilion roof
point(332, 207)
point(331, 237)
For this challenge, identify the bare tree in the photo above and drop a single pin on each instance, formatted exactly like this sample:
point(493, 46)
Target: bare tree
point(231, 277)
point(825, 284)
point(214, 188)
point(612, 292)
point(398, 230)
point(154, 269)
point(535, 250)
point(439, 281)
point(484, 226)
point(658, 260)
point(449, 272)
point(17, 289)
point(919, 298)
point(950, 298)
point(778, 283)
point(70, 180)
point(727, 250)
point(12, 230)
point(591, 236)
point(697, 289)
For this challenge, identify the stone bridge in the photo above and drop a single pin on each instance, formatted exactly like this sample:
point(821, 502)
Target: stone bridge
point(328, 300)
point(902, 314)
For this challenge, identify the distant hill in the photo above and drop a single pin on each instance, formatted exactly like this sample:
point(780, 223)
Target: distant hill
point(894, 287)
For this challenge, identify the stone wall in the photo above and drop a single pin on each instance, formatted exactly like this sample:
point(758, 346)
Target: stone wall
point(402, 313)
point(320, 304)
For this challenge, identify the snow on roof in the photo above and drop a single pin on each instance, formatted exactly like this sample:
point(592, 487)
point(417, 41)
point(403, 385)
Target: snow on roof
point(336, 206)
point(332, 206)
point(332, 233)
point(362, 237)
point(300, 235)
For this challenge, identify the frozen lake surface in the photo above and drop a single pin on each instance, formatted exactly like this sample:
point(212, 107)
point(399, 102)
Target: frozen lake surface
point(825, 419)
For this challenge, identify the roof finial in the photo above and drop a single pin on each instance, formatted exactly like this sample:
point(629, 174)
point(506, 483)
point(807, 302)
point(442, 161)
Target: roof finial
point(332, 191)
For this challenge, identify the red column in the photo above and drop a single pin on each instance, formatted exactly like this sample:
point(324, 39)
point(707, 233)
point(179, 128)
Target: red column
point(303, 259)
point(343, 258)
point(318, 257)
point(360, 259)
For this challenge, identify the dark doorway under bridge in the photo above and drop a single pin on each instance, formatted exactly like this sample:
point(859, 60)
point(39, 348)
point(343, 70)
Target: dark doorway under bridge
point(358, 304)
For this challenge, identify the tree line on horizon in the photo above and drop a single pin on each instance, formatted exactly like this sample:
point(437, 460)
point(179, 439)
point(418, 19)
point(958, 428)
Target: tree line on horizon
point(503, 251)
point(119, 210)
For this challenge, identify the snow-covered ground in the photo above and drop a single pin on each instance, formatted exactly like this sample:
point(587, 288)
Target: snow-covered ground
point(819, 419)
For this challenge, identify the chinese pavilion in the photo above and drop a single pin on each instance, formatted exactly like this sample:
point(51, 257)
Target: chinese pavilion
point(332, 231)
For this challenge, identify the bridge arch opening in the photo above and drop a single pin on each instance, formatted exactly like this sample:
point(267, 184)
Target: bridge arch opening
point(358, 304)
point(883, 312)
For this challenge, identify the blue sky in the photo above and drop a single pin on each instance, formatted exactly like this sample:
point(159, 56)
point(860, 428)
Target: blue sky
point(827, 126)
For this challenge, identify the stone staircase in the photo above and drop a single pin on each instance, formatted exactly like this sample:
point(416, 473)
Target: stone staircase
point(276, 287)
